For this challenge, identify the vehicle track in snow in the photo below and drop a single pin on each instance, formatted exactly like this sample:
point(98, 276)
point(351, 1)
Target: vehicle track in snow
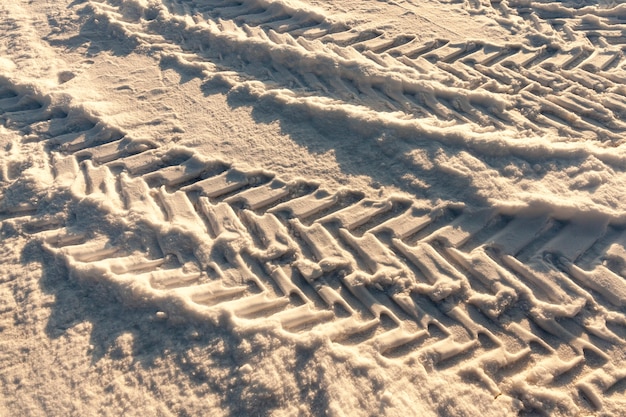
point(519, 302)
point(569, 87)
point(598, 23)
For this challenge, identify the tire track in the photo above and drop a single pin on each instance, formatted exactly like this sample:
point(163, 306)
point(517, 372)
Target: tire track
point(599, 24)
point(384, 51)
point(521, 303)
point(530, 89)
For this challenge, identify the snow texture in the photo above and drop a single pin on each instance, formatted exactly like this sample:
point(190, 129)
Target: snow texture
point(281, 208)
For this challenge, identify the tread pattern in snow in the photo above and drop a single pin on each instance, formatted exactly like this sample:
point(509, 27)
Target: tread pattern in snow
point(526, 305)
point(570, 85)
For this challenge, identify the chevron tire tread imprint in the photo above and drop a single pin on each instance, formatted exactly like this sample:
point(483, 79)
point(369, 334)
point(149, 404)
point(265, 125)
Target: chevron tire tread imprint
point(572, 89)
point(518, 303)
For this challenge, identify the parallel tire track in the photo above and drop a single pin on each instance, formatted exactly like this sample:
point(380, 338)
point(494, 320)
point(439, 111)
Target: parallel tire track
point(573, 89)
point(600, 24)
point(523, 304)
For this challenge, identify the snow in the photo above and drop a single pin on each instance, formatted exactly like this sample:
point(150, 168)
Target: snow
point(283, 207)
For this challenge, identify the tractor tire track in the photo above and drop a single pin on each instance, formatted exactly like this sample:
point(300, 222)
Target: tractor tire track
point(522, 303)
point(528, 87)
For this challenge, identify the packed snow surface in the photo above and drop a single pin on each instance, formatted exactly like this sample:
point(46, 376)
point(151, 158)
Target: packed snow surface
point(308, 208)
